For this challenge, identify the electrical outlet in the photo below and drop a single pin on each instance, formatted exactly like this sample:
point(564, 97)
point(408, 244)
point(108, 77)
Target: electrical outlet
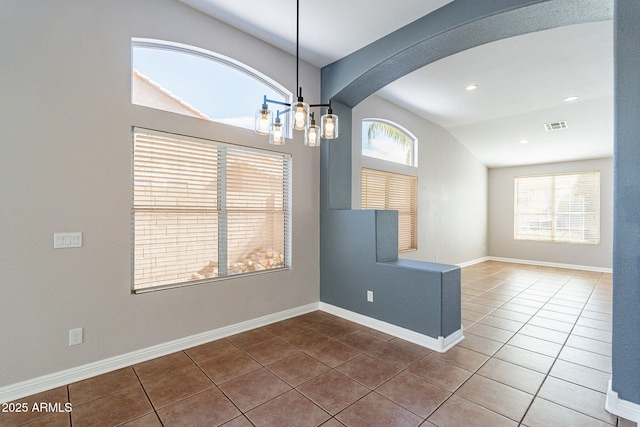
point(436, 258)
point(75, 336)
point(369, 296)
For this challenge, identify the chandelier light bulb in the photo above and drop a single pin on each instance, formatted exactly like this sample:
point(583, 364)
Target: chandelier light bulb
point(329, 126)
point(300, 115)
point(263, 120)
point(276, 137)
point(312, 134)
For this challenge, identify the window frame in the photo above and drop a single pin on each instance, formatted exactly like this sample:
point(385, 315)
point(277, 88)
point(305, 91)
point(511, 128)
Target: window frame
point(551, 210)
point(220, 208)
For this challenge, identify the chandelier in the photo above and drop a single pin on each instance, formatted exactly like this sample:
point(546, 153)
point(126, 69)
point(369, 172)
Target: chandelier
point(300, 116)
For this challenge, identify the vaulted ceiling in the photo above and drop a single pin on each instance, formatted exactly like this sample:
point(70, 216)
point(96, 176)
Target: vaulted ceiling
point(522, 82)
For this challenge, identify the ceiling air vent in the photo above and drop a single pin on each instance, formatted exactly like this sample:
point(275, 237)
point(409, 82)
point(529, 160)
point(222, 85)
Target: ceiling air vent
point(555, 125)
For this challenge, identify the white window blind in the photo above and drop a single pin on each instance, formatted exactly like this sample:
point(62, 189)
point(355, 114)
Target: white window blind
point(558, 208)
point(391, 191)
point(203, 209)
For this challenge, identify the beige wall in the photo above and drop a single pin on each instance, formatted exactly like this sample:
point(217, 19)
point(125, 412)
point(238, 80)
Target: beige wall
point(66, 119)
point(452, 186)
point(501, 242)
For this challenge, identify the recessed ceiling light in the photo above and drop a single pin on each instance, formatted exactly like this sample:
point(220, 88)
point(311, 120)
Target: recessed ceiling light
point(570, 98)
point(471, 87)
point(523, 141)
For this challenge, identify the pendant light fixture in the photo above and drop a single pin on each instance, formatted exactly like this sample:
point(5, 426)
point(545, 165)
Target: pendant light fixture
point(266, 123)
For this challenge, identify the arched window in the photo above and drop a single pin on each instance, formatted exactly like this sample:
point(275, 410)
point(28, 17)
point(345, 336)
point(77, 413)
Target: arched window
point(198, 83)
point(382, 186)
point(385, 140)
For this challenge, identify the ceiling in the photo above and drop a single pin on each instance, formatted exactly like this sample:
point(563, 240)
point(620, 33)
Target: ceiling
point(521, 81)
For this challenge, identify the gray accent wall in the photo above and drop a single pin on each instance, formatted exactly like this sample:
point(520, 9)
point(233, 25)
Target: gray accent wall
point(501, 222)
point(626, 246)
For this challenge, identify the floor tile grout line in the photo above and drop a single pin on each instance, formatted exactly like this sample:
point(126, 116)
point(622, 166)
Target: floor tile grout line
point(556, 357)
point(524, 324)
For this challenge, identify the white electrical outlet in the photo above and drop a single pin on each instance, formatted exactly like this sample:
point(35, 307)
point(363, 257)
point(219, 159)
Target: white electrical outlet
point(369, 296)
point(75, 336)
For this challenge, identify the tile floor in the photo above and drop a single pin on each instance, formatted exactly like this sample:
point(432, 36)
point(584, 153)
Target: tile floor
point(537, 353)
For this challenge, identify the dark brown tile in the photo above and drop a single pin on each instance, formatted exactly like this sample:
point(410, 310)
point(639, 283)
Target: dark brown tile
point(525, 358)
point(210, 350)
point(413, 393)
point(309, 319)
point(512, 375)
point(485, 331)
point(304, 339)
point(481, 309)
point(544, 414)
point(375, 410)
point(362, 340)
point(581, 375)
point(333, 391)
point(102, 385)
point(58, 395)
point(576, 397)
point(491, 302)
point(334, 328)
point(368, 371)
point(291, 409)
point(126, 405)
point(471, 317)
point(280, 329)
point(398, 353)
point(333, 353)
point(254, 389)
point(544, 333)
point(249, 338)
point(210, 407)
point(298, 369)
point(240, 421)
point(461, 357)
point(495, 396)
point(501, 323)
point(178, 385)
point(229, 366)
point(460, 412)
point(270, 351)
point(149, 420)
point(480, 344)
point(444, 375)
point(162, 366)
point(56, 419)
point(537, 345)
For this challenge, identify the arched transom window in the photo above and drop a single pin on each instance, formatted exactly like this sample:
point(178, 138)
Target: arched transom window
point(385, 140)
point(195, 82)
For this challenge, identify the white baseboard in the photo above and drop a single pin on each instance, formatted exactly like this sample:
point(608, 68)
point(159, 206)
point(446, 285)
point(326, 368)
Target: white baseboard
point(440, 344)
point(79, 373)
point(58, 379)
point(544, 264)
point(473, 261)
point(620, 407)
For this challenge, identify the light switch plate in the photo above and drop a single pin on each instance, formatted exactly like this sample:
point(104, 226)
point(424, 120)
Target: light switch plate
point(67, 240)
